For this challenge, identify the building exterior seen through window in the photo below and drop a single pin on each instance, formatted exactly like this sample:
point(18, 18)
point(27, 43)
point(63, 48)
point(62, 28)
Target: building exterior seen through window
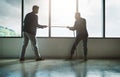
point(10, 18)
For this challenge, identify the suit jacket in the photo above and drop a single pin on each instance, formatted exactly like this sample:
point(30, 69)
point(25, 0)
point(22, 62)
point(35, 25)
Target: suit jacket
point(80, 26)
point(30, 23)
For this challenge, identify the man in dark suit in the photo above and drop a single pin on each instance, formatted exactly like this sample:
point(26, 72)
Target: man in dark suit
point(82, 34)
point(29, 31)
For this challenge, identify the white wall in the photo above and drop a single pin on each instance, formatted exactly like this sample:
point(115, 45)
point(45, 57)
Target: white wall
point(60, 48)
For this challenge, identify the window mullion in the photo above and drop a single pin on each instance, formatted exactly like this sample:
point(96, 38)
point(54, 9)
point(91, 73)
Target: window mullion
point(103, 18)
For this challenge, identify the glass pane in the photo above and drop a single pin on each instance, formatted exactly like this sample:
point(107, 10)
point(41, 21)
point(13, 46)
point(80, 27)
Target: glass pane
point(62, 32)
point(91, 10)
point(62, 14)
point(10, 18)
point(42, 15)
point(112, 18)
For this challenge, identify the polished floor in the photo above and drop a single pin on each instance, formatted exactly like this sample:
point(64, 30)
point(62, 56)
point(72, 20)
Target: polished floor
point(59, 68)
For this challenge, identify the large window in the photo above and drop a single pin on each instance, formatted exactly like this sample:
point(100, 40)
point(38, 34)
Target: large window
point(58, 14)
point(10, 18)
point(112, 18)
point(63, 15)
point(102, 17)
point(63, 12)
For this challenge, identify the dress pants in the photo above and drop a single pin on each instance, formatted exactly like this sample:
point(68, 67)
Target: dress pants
point(77, 40)
point(32, 38)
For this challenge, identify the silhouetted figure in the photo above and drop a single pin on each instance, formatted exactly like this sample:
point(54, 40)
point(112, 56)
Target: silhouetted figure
point(82, 34)
point(29, 31)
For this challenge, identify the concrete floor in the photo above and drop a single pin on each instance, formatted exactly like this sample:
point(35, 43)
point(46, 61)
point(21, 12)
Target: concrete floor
point(60, 68)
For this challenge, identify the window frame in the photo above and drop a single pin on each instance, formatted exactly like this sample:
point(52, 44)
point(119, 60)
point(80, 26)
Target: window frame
point(49, 23)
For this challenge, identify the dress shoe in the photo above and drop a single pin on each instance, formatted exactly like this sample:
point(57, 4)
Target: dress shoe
point(39, 59)
point(21, 59)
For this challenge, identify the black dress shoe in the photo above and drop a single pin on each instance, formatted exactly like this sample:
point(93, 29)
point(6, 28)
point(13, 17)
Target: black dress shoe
point(39, 59)
point(69, 58)
point(21, 59)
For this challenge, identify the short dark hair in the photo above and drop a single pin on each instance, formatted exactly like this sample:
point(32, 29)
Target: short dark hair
point(35, 6)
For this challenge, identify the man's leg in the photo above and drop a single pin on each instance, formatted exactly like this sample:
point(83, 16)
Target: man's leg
point(25, 43)
point(77, 40)
point(34, 46)
point(85, 48)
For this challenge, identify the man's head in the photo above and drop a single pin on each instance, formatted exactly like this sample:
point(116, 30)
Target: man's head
point(35, 9)
point(77, 15)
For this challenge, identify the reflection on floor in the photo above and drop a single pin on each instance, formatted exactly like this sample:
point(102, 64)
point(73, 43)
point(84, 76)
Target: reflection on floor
point(60, 68)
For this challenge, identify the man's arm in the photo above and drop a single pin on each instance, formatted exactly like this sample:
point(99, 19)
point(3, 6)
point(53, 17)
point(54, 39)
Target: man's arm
point(42, 26)
point(71, 28)
point(74, 27)
point(38, 25)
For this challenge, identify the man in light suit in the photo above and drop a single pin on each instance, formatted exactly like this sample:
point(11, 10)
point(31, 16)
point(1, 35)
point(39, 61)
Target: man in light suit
point(82, 34)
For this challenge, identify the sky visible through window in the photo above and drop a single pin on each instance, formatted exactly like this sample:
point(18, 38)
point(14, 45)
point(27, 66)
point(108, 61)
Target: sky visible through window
point(63, 15)
point(112, 18)
point(10, 18)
